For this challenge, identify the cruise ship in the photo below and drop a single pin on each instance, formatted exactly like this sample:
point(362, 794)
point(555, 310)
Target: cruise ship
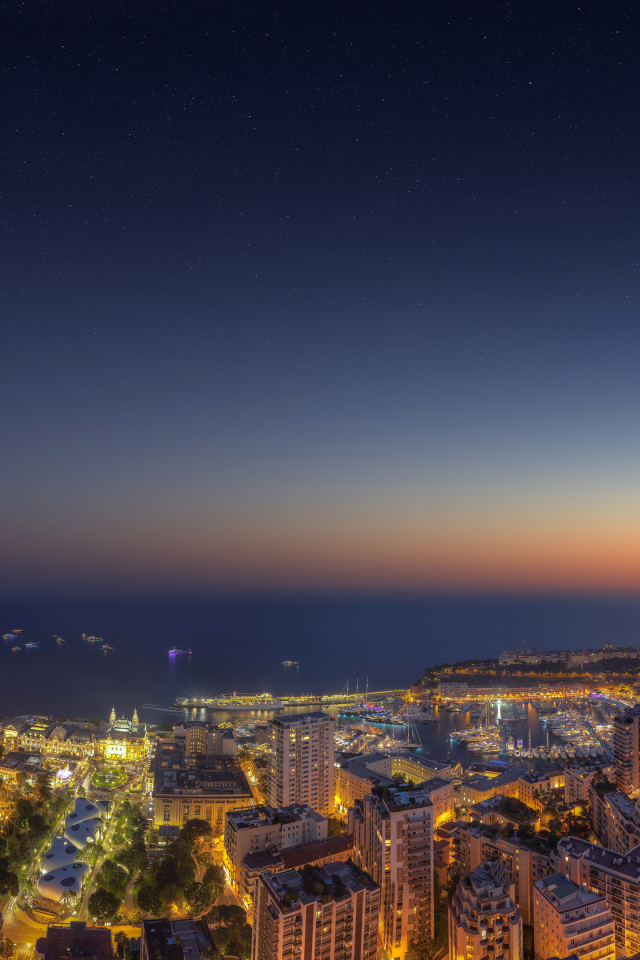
point(264, 701)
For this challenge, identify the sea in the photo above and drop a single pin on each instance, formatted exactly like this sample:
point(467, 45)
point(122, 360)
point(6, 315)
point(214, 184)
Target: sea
point(239, 644)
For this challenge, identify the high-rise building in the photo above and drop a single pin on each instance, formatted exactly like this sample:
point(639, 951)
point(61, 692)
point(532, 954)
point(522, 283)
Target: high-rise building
point(527, 859)
point(393, 841)
point(329, 913)
point(254, 829)
point(571, 919)
point(302, 761)
point(626, 748)
point(617, 877)
point(484, 921)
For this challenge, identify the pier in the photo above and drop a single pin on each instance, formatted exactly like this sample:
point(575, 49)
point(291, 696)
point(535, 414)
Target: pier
point(268, 702)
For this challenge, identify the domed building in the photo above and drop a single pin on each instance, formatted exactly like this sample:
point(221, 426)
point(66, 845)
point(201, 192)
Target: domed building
point(125, 739)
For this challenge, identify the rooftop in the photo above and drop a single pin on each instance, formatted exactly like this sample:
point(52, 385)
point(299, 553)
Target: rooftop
point(565, 895)
point(626, 865)
point(162, 939)
point(264, 815)
point(333, 881)
point(293, 857)
point(403, 799)
point(75, 940)
point(299, 719)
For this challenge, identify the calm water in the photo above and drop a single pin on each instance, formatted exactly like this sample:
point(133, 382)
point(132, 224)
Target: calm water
point(239, 644)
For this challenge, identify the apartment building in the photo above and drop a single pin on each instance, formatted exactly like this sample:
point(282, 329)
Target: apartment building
point(175, 939)
point(571, 920)
point(356, 777)
point(534, 788)
point(302, 761)
point(617, 877)
point(393, 841)
point(321, 914)
point(200, 737)
point(481, 787)
point(576, 784)
point(411, 767)
point(484, 921)
point(626, 742)
point(599, 793)
point(317, 853)
point(527, 860)
point(74, 939)
point(623, 822)
point(254, 829)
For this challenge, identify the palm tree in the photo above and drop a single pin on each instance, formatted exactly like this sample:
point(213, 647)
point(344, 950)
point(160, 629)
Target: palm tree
point(69, 900)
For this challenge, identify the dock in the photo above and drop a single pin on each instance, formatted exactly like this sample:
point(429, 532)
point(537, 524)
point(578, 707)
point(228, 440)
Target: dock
point(267, 702)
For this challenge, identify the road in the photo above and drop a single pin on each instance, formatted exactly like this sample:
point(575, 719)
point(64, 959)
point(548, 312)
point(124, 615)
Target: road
point(21, 929)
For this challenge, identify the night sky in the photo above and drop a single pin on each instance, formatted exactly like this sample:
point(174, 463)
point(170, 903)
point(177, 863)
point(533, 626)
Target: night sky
point(320, 296)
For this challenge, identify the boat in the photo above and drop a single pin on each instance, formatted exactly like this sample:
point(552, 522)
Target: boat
point(31, 645)
point(59, 640)
point(290, 663)
point(107, 648)
point(92, 639)
point(8, 636)
point(234, 703)
point(176, 653)
point(16, 649)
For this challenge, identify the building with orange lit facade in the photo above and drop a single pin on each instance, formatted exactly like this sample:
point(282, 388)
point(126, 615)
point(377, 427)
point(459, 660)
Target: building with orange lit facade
point(328, 913)
point(484, 920)
point(393, 842)
point(355, 777)
point(302, 761)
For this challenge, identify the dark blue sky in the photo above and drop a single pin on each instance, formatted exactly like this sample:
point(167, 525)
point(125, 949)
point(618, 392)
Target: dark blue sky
point(332, 296)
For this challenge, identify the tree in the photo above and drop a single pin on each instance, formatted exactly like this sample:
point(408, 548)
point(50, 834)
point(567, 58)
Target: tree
point(196, 832)
point(176, 869)
point(422, 948)
point(197, 896)
point(43, 788)
point(451, 887)
point(69, 900)
point(7, 948)
point(149, 899)
point(214, 880)
point(8, 882)
point(103, 904)
point(121, 940)
point(578, 826)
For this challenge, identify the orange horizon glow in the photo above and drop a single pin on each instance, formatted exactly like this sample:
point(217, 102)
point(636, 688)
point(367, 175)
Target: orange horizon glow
point(340, 549)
